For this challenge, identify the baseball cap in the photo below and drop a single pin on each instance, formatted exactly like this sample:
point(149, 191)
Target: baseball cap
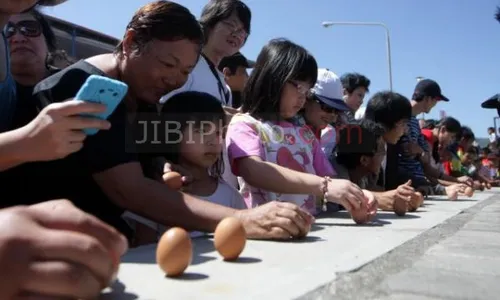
point(428, 87)
point(236, 60)
point(50, 2)
point(492, 102)
point(328, 89)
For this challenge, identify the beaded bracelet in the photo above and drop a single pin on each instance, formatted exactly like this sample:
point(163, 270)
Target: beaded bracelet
point(326, 179)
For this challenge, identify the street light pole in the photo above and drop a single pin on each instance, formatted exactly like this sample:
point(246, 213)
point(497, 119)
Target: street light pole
point(327, 24)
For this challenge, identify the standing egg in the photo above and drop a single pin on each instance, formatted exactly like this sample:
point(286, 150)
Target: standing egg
point(230, 238)
point(400, 207)
point(173, 180)
point(174, 251)
point(360, 216)
point(416, 201)
point(469, 191)
point(488, 185)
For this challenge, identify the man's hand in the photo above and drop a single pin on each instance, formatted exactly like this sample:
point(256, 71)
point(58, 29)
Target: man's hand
point(55, 250)
point(466, 180)
point(57, 130)
point(405, 191)
point(276, 220)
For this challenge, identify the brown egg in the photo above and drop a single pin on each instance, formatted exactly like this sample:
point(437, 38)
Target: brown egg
point(174, 251)
point(360, 216)
point(488, 186)
point(400, 207)
point(416, 201)
point(230, 238)
point(469, 191)
point(173, 180)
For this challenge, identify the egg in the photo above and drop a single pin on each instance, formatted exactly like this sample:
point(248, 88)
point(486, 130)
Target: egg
point(173, 180)
point(230, 238)
point(174, 251)
point(488, 186)
point(360, 216)
point(400, 207)
point(416, 201)
point(469, 191)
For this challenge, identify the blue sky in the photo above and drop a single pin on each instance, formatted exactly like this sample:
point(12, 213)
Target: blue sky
point(453, 42)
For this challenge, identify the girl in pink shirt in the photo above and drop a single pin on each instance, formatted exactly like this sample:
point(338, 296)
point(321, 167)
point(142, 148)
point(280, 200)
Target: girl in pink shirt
point(274, 157)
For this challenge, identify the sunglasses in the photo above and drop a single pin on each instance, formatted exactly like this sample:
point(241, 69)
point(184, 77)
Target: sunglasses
point(326, 108)
point(28, 28)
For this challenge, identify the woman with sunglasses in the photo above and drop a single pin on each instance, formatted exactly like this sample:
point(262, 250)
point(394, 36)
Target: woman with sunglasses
point(30, 41)
point(39, 244)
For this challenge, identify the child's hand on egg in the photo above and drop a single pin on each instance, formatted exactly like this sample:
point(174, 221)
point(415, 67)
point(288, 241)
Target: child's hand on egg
point(185, 175)
point(371, 203)
point(367, 209)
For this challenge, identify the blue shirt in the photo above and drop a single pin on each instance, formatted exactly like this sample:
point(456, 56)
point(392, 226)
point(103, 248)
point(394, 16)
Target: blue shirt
point(7, 94)
point(410, 165)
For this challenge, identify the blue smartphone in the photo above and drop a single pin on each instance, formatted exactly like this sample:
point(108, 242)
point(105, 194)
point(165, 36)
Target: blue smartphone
point(103, 90)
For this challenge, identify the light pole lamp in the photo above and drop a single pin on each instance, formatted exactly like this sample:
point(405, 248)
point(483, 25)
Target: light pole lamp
point(327, 24)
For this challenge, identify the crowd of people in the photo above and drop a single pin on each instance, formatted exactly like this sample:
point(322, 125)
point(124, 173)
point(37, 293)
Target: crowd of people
point(274, 148)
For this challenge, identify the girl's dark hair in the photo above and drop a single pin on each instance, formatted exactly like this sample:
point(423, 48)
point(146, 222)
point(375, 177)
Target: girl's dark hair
point(279, 62)
point(165, 21)
point(48, 33)
point(189, 108)
point(220, 10)
point(451, 125)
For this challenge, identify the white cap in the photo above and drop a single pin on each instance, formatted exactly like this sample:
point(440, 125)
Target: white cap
point(328, 89)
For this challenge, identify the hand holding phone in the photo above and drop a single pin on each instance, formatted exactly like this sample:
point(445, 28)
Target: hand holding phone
point(102, 90)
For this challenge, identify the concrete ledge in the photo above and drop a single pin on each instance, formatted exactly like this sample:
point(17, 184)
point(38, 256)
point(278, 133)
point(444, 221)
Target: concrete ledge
point(286, 270)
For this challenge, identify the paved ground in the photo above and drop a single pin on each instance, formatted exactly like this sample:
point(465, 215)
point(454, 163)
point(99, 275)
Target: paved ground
point(447, 250)
point(459, 259)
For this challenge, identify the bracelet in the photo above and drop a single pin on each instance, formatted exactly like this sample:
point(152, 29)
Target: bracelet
point(326, 179)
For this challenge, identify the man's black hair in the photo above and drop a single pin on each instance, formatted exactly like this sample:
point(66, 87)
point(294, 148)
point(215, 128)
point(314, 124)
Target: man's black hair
point(388, 108)
point(352, 81)
point(356, 140)
point(467, 133)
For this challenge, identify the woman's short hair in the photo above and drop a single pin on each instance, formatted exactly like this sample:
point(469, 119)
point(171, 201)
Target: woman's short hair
point(165, 21)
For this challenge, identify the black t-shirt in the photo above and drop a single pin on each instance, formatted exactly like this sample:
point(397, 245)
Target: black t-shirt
point(27, 106)
point(71, 177)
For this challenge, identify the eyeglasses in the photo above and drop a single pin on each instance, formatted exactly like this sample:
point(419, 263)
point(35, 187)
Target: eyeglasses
point(300, 88)
point(28, 28)
point(234, 30)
